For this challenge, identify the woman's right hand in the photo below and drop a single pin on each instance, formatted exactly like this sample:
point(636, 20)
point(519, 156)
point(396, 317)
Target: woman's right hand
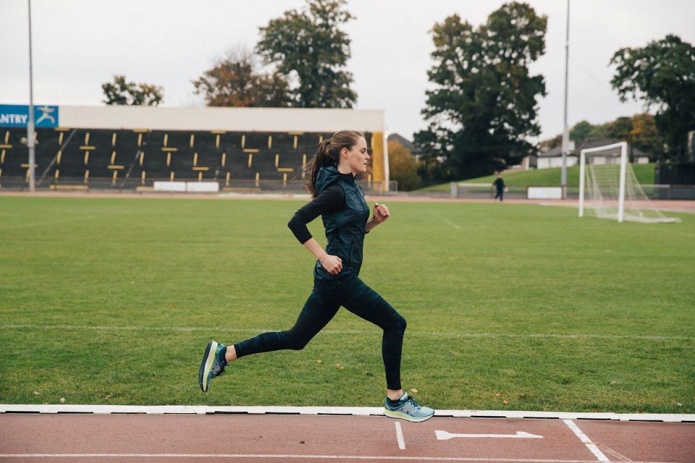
point(332, 264)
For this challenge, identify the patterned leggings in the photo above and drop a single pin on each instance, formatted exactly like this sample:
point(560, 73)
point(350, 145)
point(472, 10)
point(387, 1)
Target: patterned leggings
point(322, 305)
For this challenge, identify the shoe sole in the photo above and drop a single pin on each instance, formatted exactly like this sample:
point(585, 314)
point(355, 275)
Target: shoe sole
point(405, 416)
point(206, 366)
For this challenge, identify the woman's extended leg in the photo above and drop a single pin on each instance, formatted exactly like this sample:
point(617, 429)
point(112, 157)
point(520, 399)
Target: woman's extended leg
point(318, 310)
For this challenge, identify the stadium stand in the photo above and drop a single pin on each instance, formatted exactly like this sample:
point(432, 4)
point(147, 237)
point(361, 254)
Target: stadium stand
point(128, 159)
point(131, 148)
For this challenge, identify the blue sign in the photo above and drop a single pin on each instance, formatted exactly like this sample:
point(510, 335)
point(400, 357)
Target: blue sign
point(18, 116)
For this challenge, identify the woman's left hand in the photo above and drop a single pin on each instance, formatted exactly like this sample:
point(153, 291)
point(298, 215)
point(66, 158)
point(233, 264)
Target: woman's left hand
point(381, 212)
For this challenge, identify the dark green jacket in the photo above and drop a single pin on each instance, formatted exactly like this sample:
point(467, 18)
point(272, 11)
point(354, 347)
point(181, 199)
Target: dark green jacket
point(345, 229)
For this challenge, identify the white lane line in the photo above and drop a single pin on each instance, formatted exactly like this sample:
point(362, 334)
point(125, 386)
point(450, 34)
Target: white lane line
point(399, 436)
point(586, 441)
point(445, 435)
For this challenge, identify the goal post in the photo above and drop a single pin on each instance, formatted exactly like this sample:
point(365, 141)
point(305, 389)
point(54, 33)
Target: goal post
point(622, 149)
point(609, 188)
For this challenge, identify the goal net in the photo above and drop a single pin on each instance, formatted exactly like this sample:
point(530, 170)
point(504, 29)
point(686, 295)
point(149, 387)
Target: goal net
point(609, 188)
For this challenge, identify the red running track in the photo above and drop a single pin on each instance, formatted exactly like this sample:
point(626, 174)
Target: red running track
point(243, 437)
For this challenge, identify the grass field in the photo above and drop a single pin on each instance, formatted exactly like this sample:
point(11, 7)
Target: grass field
point(510, 306)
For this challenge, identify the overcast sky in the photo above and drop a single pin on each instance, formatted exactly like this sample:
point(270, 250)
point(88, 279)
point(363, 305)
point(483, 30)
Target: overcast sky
point(80, 44)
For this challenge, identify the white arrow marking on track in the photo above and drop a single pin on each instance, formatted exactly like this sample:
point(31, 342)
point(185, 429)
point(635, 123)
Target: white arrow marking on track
point(444, 435)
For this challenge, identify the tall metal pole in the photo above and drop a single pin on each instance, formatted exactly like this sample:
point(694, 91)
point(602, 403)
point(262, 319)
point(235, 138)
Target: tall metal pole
point(565, 130)
point(30, 123)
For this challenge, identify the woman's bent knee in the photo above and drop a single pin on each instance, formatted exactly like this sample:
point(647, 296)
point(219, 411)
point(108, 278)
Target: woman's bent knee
point(398, 324)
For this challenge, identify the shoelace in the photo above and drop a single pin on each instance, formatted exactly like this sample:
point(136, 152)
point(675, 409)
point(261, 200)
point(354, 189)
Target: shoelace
point(412, 401)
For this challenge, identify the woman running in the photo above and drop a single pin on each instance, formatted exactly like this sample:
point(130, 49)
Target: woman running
point(339, 200)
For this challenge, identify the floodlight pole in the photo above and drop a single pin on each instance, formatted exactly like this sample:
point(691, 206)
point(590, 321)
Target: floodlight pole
point(30, 123)
point(565, 128)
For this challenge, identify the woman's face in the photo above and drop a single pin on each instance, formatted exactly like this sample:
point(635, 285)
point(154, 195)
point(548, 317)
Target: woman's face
point(356, 159)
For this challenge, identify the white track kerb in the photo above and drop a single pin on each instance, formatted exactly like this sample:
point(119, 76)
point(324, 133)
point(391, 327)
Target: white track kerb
point(347, 411)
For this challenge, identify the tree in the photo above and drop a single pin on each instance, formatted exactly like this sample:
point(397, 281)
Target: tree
point(236, 80)
point(121, 92)
point(580, 132)
point(309, 46)
point(550, 143)
point(662, 74)
point(403, 167)
point(644, 135)
point(639, 131)
point(619, 129)
point(484, 105)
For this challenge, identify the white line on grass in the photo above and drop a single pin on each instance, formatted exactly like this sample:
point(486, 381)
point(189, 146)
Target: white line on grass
point(559, 336)
point(47, 223)
point(126, 328)
point(438, 334)
point(445, 220)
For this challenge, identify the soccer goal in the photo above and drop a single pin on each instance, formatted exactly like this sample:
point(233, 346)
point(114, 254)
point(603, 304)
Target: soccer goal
point(608, 187)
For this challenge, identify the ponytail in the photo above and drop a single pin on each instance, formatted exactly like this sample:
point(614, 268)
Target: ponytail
point(328, 154)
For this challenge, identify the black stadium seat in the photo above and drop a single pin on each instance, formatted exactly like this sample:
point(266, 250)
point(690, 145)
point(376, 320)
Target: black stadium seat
point(126, 159)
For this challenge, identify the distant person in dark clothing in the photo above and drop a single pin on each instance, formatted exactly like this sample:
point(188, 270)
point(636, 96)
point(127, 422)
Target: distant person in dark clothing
point(499, 186)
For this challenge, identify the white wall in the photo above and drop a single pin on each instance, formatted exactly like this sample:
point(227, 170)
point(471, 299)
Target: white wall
point(548, 162)
point(227, 119)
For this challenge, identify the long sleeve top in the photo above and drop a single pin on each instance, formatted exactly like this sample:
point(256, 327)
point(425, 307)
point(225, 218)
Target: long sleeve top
point(341, 204)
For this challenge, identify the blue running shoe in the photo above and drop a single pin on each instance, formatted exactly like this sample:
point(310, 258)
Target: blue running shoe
point(213, 364)
point(407, 409)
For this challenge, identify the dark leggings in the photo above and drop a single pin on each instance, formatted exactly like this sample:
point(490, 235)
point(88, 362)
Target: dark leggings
point(322, 305)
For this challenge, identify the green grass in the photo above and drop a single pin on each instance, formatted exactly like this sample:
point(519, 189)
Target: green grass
point(521, 179)
point(111, 301)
